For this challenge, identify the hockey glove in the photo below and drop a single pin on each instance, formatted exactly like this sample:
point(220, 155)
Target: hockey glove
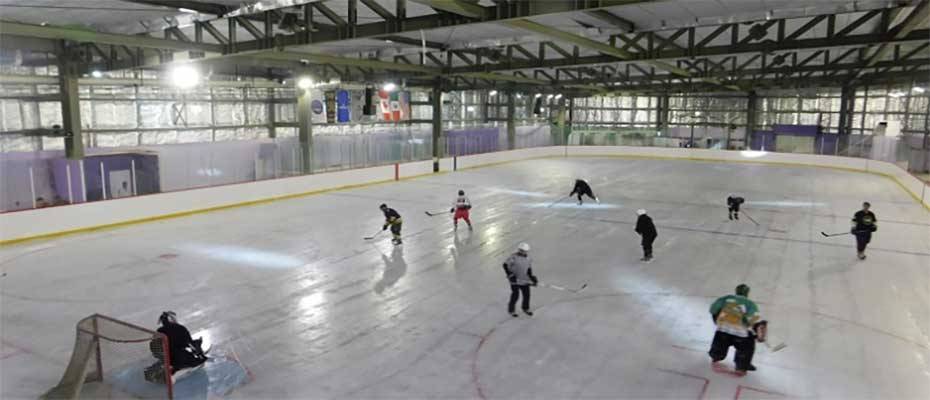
point(873, 228)
point(468, 207)
point(761, 330)
point(384, 228)
point(452, 210)
point(535, 280)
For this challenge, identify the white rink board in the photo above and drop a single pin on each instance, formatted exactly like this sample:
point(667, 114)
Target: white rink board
point(314, 311)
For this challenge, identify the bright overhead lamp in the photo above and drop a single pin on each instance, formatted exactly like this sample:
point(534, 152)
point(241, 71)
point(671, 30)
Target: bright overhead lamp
point(185, 76)
point(558, 96)
point(305, 82)
point(896, 94)
point(96, 73)
point(187, 10)
point(918, 89)
point(492, 93)
point(538, 95)
point(549, 96)
point(389, 87)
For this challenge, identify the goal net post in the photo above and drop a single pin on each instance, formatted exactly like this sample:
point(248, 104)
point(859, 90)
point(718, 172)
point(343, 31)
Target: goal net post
point(107, 349)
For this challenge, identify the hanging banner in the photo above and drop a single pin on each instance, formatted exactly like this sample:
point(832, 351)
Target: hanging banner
point(343, 112)
point(330, 97)
point(385, 105)
point(395, 106)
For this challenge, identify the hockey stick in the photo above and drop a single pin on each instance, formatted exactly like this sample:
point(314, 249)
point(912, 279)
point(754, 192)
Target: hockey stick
point(750, 218)
point(434, 213)
point(775, 348)
point(835, 234)
point(373, 236)
point(558, 201)
point(564, 289)
point(839, 234)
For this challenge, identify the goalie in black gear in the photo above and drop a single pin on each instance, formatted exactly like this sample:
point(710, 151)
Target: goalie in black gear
point(733, 202)
point(183, 350)
point(583, 189)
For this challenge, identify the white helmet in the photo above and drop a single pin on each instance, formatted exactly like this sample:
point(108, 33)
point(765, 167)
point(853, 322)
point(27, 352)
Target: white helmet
point(641, 212)
point(523, 247)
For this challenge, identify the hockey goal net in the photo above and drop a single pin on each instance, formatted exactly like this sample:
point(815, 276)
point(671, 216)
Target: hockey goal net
point(115, 359)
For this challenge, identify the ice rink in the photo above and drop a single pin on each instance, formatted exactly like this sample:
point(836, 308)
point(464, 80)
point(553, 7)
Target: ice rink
point(315, 311)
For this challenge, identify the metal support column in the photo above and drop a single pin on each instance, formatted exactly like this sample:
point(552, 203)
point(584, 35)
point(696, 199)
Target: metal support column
point(71, 110)
point(436, 101)
point(662, 113)
point(846, 104)
point(511, 124)
point(752, 107)
point(272, 116)
point(305, 130)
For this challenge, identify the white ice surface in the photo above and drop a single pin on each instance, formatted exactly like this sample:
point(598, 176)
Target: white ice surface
point(314, 311)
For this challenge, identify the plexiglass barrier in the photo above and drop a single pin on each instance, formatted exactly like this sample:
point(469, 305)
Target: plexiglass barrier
point(46, 178)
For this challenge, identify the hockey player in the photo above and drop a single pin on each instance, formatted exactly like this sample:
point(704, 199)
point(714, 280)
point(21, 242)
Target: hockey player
point(863, 224)
point(183, 351)
point(646, 229)
point(460, 207)
point(738, 325)
point(733, 202)
point(583, 189)
point(519, 270)
point(392, 219)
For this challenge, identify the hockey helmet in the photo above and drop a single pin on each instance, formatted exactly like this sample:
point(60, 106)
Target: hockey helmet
point(523, 247)
point(461, 192)
point(382, 206)
point(742, 290)
point(641, 211)
point(168, 316)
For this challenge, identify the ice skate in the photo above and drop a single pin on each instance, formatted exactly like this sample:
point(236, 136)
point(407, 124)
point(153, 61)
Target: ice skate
point(528, 312)
point(470, 227)
point(397, 242)
point(731, 216)
point(514, 314)
point(861, 256)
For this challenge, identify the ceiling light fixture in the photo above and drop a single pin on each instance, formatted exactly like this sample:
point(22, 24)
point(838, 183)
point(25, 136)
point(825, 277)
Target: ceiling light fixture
point(389, 87)
point(187, 10)
point(305, 82)
point(185, 77)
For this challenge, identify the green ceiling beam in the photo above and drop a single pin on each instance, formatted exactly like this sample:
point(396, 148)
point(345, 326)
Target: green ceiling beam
point(501, 77)
point(317, 58)
point(607, 49)
point(89, 36)
point(463, 8)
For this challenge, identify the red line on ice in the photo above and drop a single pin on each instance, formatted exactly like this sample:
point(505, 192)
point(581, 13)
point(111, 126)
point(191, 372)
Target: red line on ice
point(475, 380)
point(687, 375)
point(739, 390)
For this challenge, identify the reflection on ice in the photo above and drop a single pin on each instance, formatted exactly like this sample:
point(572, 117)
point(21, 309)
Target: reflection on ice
point(244, 255)
point(790, 204)
point(520, 192)
point(572, 205)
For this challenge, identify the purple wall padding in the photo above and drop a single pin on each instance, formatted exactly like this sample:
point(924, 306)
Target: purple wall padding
point(763, 140)
point(796, 130)
point(472, 141)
